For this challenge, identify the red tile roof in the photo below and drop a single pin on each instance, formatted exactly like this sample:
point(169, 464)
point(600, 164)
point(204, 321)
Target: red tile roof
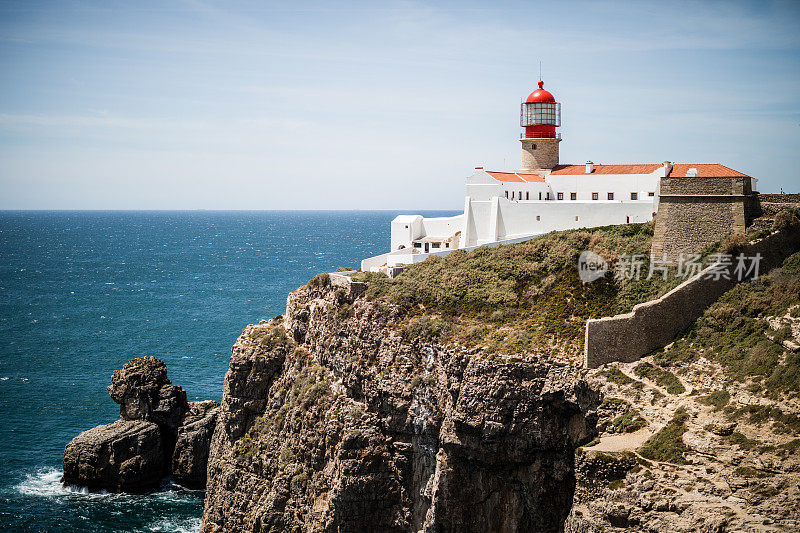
point(705, 170)
point(569, 170)
point(515, 177)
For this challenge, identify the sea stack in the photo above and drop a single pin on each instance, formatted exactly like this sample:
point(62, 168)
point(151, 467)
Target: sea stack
point(159, 433)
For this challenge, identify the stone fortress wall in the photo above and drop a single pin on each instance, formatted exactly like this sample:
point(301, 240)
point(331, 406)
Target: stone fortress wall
point(654, 324)
point(769, 205)
point(696, 212)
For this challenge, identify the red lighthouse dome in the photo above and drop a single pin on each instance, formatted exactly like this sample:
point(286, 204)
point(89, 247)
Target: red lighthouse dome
point(540, 114)
point(540, 95)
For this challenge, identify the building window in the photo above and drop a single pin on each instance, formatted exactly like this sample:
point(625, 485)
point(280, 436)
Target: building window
point(417, 245)
point(436, 245)
point(540, 195)
point(627, 220)
point(651, 194)
point(519, 196)
point(533, 146)
point(406, 226)
point(527, 195)
point(573, 196)
point(560, 195)
point(576, 219)
point(447, 245)
point(611, 196)
point(634, 196)
point(506, 195)
point(538, 218)
point(595, 196)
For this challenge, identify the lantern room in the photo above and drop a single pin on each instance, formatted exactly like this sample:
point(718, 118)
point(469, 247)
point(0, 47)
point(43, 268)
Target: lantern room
point(540, 114)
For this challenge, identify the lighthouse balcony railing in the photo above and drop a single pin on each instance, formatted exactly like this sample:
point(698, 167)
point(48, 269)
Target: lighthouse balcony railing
point(541, 136)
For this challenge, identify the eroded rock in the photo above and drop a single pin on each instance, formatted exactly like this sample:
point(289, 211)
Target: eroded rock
point(159, 433)
point(190, 458)
point(125, 456)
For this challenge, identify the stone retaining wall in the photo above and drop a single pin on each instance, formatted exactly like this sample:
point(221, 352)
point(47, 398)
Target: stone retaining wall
point(793, 198)
point(342, 279)
point(654, 324)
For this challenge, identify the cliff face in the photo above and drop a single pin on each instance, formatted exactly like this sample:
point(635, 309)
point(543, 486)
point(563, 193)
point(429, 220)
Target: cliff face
point(336, 419)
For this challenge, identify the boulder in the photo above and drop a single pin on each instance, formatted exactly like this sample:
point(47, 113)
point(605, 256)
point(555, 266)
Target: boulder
point(124, 456)
point(190, 458)
point(144, 392)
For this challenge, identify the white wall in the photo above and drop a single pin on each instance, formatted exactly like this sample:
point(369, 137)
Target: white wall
point(407, 228)
point(516, 219)
point(490, 217)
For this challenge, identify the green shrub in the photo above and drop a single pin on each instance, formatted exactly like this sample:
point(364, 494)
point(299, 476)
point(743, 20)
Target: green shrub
point(792, 264)
point(426, 329)
point(616, 484)
point(740, 440)
point(629, 421)
point(320, 281)
point(667, 445)
point(717, 399)
point(733, 244)
point(664, 378)
point(271, 336)
point(615, 375)
point(783, 333)
point(749, 471)
point(786, 221)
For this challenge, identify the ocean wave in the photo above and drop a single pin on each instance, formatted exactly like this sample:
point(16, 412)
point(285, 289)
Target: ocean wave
point(189, 525)
point(46, 482)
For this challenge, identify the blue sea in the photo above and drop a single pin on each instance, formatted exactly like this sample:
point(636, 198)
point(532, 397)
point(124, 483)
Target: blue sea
point(81, 293)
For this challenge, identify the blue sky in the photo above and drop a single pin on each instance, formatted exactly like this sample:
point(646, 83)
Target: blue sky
point(376, 105)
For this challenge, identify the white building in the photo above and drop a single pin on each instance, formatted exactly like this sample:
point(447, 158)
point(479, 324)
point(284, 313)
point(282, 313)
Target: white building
point(543, 196)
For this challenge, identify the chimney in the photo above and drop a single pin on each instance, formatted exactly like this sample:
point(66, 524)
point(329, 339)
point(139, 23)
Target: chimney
point(691, 173)
point(589, 167)
point(478, 169)
point(667, 168)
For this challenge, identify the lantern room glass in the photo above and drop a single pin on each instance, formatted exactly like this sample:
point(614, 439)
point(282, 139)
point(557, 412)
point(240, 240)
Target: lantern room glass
point(544, 114)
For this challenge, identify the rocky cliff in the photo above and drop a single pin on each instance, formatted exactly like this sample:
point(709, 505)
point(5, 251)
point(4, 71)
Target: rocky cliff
point(453, 399)
point(335, 418)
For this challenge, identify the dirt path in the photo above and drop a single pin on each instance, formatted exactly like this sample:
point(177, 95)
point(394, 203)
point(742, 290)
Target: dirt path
point(623, 442)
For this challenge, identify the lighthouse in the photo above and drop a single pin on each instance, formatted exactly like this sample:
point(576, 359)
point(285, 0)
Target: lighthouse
point(540, 115)
point(502, 207)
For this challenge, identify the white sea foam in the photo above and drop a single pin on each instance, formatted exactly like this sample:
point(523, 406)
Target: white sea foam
point(190, 525)
point(3, 379)
point(46, 482)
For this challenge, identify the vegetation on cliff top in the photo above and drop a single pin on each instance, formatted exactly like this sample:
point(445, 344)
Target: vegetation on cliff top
point(517, 297)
